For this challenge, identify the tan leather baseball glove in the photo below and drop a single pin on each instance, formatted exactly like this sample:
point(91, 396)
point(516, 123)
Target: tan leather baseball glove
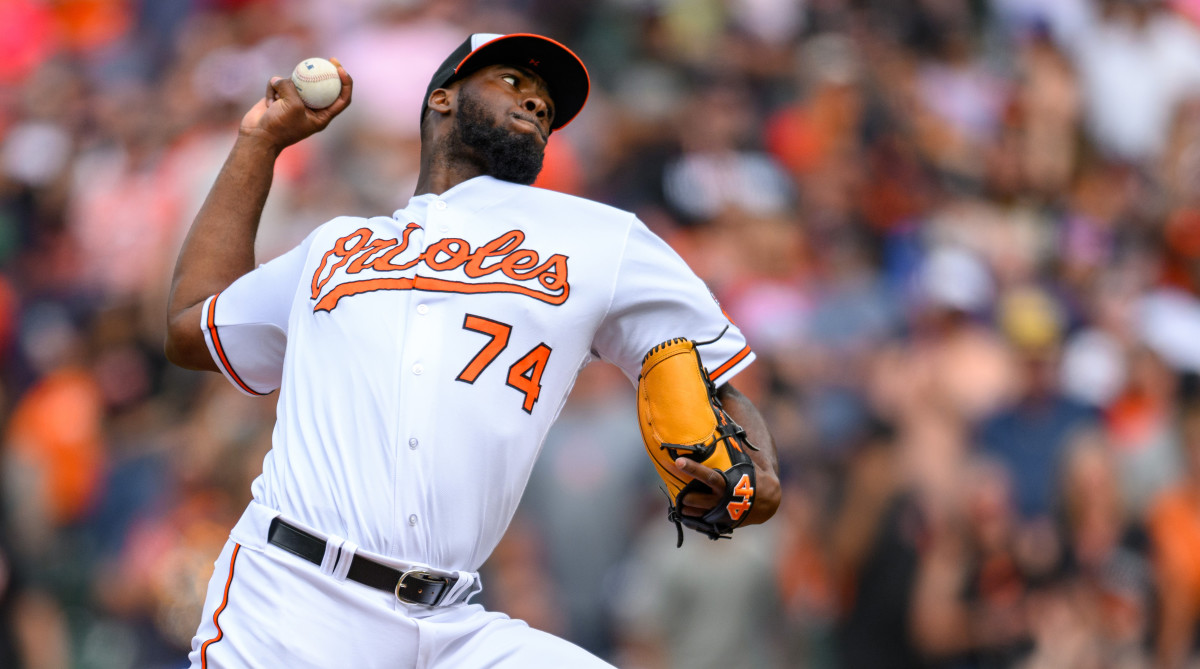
point(680, 416)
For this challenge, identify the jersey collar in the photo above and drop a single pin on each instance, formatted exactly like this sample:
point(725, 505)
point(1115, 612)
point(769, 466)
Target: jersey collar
point(475, 194)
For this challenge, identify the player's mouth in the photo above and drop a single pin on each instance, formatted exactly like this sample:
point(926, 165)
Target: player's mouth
point(532, 123)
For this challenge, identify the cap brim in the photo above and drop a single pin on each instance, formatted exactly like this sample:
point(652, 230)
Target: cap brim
point(563, 71)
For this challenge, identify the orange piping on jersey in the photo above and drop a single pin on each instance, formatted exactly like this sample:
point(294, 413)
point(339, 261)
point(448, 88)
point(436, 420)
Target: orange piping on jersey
point(217, 613)
point(730, 363)
point(216, 339)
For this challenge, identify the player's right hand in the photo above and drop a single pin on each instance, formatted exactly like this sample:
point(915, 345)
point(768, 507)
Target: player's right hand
point(281, 119)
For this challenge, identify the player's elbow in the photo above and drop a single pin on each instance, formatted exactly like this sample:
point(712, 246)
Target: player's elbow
point(185, 345)
point(183, 353)
point(177, 353)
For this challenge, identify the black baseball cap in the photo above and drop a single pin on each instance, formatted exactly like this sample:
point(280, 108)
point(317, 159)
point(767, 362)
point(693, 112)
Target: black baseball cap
point(562, 70)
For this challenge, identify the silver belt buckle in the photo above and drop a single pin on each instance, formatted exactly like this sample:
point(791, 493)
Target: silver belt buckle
point(421, 572)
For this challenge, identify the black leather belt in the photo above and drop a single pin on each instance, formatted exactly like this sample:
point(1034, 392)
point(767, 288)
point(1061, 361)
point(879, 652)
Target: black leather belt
point(413, 586)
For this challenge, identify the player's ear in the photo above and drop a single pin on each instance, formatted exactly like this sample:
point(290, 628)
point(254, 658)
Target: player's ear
point(440, 100)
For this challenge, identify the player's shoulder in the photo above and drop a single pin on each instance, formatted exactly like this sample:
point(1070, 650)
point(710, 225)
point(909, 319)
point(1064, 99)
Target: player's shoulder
point(564, 204)
point(349, 231)
point(338, 223)
point(341, 226)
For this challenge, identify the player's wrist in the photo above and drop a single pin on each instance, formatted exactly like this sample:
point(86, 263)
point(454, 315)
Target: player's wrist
point(766, 499)
point(259, 143)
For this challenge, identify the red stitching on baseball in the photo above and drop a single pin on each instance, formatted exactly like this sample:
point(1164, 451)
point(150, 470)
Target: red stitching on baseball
point(303, 77)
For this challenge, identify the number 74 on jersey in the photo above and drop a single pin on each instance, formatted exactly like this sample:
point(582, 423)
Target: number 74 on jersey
point(524, 375)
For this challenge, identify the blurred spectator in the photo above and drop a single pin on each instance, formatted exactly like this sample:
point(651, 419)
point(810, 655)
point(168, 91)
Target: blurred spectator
point(1048, 104)
point(876, 534)
point(54, 447)
point(1175, 529)
point(1140, 422)
point(1031, 434)
point(124, 210)
point(1180, 169)
point(805, 572)
point(969, 594)
point(817, 138)
point(1109, 546)
point(950, 372)
point(717, 171)
point(961, 103)
point(673, 613)
point(1137, 60)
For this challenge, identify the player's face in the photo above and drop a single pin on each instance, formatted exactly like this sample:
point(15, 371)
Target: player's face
point(518, 98)
point(503, 121)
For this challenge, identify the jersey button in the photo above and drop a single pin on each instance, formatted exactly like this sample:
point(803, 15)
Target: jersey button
point(412, 520)
point(422, 309)
point(417, 369)
point(440, 205)
point(412, 443)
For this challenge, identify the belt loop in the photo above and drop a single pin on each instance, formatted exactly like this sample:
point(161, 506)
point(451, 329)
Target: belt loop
point(333, 554)
point(339, 553)
point(342, 568)
point(467, 585)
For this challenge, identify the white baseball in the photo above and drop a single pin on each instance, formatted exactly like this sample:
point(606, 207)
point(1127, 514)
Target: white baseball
point(318, 82)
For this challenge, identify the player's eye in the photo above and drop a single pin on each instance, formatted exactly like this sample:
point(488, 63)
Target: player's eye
point(512, 80)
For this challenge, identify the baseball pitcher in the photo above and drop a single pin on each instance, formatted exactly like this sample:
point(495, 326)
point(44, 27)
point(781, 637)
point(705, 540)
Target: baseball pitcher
point(420, 358)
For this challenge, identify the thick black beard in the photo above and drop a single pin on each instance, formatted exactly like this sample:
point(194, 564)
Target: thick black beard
point(503, 154)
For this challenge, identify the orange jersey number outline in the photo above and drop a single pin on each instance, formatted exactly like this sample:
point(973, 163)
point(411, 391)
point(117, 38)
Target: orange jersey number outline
point(524, 375)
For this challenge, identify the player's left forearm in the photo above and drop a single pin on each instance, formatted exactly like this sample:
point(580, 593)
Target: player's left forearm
point(766, 462)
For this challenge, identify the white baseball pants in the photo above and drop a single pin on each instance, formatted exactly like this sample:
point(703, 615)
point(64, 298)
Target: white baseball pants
point(267, 608)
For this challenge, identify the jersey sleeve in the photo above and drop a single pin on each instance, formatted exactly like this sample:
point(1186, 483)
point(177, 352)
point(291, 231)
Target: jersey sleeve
point(246, 324)
point(657, 297)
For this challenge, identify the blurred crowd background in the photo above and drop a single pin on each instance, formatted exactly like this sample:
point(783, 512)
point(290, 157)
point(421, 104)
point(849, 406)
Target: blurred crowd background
point(963, 237)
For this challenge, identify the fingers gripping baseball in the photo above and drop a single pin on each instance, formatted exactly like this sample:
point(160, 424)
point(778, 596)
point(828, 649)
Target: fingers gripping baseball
point(281, 117)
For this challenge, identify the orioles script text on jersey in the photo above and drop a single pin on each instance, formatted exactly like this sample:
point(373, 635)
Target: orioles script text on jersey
point(503, 256)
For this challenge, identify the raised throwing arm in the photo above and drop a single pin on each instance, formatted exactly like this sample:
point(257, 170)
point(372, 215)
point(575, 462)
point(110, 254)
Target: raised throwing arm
point(219, 247)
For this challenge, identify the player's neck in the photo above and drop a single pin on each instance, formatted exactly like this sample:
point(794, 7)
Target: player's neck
point(440, 181)
point(444, 165)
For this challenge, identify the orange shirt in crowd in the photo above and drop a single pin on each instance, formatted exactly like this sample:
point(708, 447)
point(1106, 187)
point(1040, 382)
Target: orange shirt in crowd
point(1174, 523)
point(56, 433)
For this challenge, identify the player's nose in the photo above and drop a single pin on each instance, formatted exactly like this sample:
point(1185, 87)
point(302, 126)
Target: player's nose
point(534, 104)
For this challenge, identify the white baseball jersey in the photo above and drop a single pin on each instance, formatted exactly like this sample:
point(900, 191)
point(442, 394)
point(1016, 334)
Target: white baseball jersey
point(421, 358)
